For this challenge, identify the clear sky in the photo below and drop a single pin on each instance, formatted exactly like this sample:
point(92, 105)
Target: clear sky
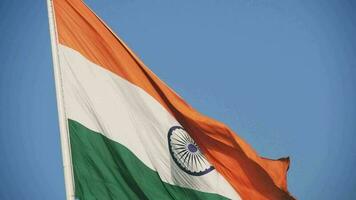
point(281, 73)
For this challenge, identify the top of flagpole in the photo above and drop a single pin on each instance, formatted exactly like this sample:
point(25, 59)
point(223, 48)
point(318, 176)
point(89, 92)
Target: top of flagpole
point(65, 140)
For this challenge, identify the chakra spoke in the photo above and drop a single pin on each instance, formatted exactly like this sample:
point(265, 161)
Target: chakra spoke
point(191, 160)
point(180, 144)
point(194, 161)
point(185, 155)
point(191, 140)
point(182, 151)
point(179, 148)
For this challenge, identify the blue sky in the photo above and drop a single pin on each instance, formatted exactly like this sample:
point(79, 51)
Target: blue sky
point(282, 74)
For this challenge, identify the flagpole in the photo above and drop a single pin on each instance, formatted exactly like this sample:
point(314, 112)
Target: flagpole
point(63, 127)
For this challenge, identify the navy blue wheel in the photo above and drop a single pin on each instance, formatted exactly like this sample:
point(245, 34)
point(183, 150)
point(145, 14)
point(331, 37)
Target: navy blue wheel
point(186, 153)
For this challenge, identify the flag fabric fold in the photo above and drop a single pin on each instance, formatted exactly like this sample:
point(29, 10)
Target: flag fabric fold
point(133, 137)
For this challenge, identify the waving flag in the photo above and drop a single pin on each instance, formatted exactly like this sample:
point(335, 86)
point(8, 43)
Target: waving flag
point(127, 135)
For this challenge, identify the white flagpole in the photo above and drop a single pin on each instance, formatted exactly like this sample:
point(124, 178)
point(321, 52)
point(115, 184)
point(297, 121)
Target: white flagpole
point(63, 127)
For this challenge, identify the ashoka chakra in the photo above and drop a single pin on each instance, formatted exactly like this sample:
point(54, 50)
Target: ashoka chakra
point(186, 153)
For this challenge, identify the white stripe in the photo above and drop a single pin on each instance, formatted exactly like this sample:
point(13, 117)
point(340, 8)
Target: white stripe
point(123, 112)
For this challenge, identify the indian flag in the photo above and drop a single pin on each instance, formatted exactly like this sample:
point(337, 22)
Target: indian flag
point(126, 135)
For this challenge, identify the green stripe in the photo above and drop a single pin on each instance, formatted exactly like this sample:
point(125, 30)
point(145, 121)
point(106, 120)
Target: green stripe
point(104, 169)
